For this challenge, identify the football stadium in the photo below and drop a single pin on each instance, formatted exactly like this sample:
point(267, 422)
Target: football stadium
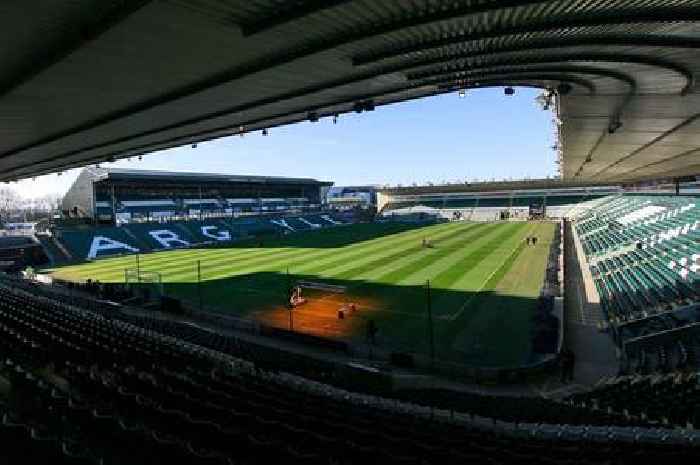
point(225, 318)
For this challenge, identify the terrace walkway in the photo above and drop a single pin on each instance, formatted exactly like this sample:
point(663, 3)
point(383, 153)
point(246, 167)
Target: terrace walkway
point(586, 328)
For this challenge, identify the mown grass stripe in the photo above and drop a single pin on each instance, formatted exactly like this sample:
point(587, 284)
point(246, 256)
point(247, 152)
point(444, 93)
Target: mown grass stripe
point(343, 256)
point(434, 255)
point(492, 281)
point(281, 262)
point(274, 264)
point(219, 259)
point(447, 278)
point(359, 260)
point(378, 260)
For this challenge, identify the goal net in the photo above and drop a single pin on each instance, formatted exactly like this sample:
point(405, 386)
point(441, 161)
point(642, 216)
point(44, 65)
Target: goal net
point(148, 284)
point(322, 287)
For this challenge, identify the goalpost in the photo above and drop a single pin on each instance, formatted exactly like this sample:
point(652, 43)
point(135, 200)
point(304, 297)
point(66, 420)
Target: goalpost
point(147, 283)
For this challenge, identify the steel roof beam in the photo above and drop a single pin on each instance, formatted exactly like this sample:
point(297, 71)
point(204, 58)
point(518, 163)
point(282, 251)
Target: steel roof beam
point(665, 40)
point(532, 68)
point(652, 142)
point(669, 159)
point(571, 57)
point(507, 77)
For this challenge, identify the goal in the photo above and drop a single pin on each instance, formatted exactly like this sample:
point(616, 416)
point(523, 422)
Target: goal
point(148, 284)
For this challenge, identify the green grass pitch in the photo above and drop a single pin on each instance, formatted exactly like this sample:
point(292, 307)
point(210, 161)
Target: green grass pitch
point(483, 280)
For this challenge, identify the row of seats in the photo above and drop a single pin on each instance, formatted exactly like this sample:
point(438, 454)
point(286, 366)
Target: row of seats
point(670, 399)
point(125, 394)
point(638, 220)
point(144, 237)
point(515, 409)
point(643, 253)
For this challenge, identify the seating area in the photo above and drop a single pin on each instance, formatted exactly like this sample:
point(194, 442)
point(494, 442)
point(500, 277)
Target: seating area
point(84, 387)
point(91, 243)
point(667, 399)
point(143, 208)
point(644, 254)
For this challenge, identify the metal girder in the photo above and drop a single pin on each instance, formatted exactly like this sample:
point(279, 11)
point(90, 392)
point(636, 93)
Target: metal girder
point(533, 68)
point(75, 40)
point(538, 75)
point(579, 20)
point(587, 57)
point(507, 77)
point(637, 40)
point(655, 140)
point(615, 118)
point(668, 159)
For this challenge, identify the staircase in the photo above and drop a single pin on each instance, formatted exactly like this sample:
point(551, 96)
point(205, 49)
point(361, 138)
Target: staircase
point(58, 254)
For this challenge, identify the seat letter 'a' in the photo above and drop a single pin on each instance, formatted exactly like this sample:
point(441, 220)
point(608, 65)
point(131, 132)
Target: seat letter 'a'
point(102, 244)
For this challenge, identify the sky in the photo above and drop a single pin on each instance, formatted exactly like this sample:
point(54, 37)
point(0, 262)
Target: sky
point(439, 139)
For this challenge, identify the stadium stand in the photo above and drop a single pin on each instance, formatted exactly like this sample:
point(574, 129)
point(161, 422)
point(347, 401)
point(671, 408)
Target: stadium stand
point(91, 243)
point(644, 256)
point(18, 252)
point(120, 196)
point(669, 399)
point(644, 253)
point(488, 201)
point(111, 392)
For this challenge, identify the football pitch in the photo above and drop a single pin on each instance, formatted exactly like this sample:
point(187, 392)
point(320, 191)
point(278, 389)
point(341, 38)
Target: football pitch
point(483, 283)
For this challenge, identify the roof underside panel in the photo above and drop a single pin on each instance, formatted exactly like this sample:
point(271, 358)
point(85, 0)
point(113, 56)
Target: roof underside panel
point(94, 80)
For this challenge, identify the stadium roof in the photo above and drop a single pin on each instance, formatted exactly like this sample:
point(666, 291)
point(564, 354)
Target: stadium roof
point(486, 186)
point(123, 174)
point(93, 80)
